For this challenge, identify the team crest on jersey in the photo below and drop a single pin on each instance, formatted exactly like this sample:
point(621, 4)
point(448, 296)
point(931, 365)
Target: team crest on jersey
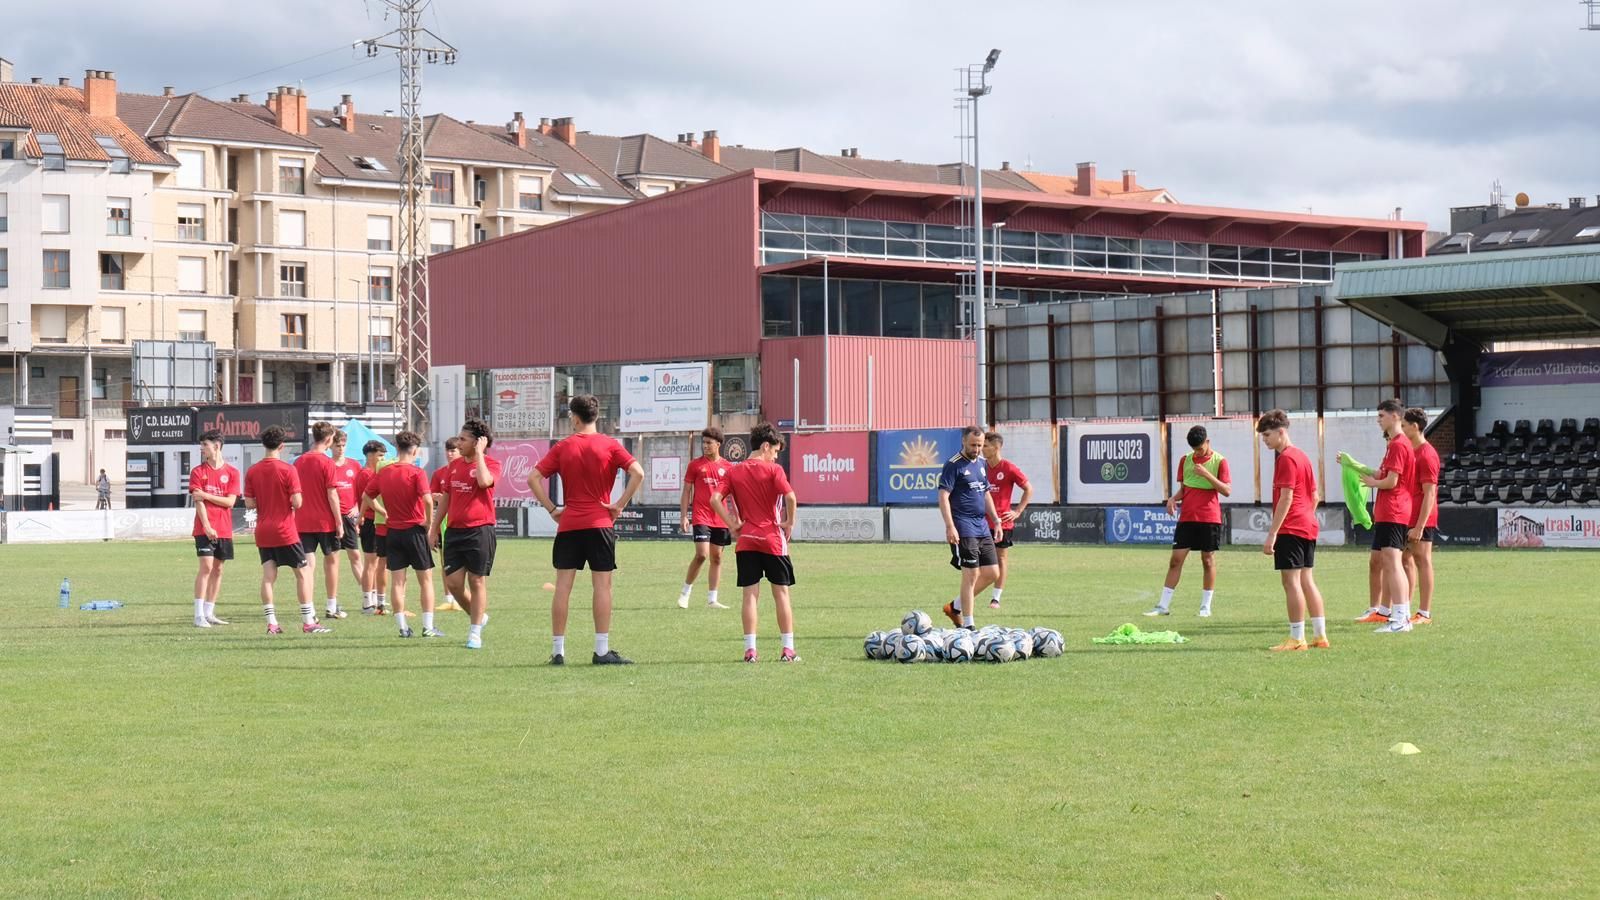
point(224, 479)
point(721, 473)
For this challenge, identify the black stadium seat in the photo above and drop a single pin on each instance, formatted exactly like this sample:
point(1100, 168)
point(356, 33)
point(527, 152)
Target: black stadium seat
point(1509, 493)
point(1524, 429)
point(1461, 494)
point(1538, 494)
point(1558, 493)
point(1547, 428)
point(1484, 494)
point(1526, 476)
point(1501, 429)
point(1491, 443)
point(1476, 477)
point(1591, 426)
point(1569, 427)
point(1469, 444)
point(1584, 493)
point(1517, 445)
point(1492, 459)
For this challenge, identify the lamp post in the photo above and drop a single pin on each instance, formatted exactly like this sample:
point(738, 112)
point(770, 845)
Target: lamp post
point(978, 86)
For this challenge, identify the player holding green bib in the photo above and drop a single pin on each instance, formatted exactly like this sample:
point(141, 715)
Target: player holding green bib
point(1203, 479)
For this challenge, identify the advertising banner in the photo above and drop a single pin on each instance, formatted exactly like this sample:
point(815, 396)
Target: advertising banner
point(1540, 384)
point(1249, 525)
point(830, 468)
point(50, 527)
point(909, 462)
point(1139, 525)
point(666, 397)
point(523, 401)
point(163, 425)
point(1467, 527)
point(1528, 527)
point(1111, 463)
point(664, 458)
point(245, 422)
point(1060, 525)
point(647, 522)
point(839, 524)
point(507, 520)
point(664, 474)
point(517, 459)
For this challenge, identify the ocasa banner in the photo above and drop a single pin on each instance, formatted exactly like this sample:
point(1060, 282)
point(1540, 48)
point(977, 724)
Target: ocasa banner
point(909, 463)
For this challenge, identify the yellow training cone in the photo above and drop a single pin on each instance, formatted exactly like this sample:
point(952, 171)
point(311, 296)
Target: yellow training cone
point(1405, 749)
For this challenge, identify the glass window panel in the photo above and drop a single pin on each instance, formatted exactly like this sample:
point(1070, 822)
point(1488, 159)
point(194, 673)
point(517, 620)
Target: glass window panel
point(1023, 255)
point(906, 230)
point(1089, 260)
point(1017, 238)
point(810, 306)
point(945, 251)
point(1122, 245)
point(1285, 255)
point(947, 233)
point(938, 311)
point(867, 246)
point(824, 243)
point(1316, 257)
point(1185, 266)
point(1127, 263)
point(1346, 258)
point(1255, 270)
point(777, 306)
point(1158, 248)
point(1055, 258)
point(783, 240)
point(902, 313)
point(1197, 251)
point(1316, 273)
point(1255, 254)
point(864, 228)
point(1223, 268)
point(824, 225)
point(861, 313)
point(1092, 242)
point(1223, 251)
point(1156, 264)
point(1285, 272)
point(1052, 241)
point(904, 248)
point(779, 222)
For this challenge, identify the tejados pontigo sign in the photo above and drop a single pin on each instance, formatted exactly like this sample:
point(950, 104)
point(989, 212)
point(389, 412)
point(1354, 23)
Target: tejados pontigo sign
point(245, 422)
point(162, 425)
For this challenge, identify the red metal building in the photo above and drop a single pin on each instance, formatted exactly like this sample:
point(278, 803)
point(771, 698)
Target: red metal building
point(732, 271)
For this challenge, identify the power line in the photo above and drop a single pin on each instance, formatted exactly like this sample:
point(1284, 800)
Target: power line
point(361, 62)
point(275, 68)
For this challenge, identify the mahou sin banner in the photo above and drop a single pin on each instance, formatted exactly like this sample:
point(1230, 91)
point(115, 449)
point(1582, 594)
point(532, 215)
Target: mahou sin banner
point(517, 459)
point(830, 468)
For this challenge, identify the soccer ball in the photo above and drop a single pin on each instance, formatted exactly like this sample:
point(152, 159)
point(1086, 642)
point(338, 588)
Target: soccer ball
point(1047, 643)
point(960, 647)
point(934, 643)
point(910, 648)
point(877, 645)
point(1022, 642)
point(916, 622)
point(891, 644)
point(996, 647)
point(983, 645)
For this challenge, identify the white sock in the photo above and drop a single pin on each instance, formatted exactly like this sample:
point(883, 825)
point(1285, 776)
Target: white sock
point(996, 596)
point(558, 645)
point(956, 604)
point(308, 614)
point(687, 590)
point(1319, 626)
point(1385, 611)
point(1297, 630)
point(368, 599)
point(965, 621)
point(788, 640)
point(749, 642)
point(711, 597)
point(211, 610)
point(475, 631)
point(270, 613)
point(333, 604)
point(199, 608)
point(401, 621)
point(1403, 612)
point(602, 643)
point(1205, 599)
point(427, 621)
point(1426, 614)
point(1166, 598)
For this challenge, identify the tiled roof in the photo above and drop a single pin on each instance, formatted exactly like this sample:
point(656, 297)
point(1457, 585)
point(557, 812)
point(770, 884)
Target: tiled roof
point(646, 154)
point(194, 116)
point(60, 110)
point(794, 159)
point(1538, 226)
point(1103, 187)
point(567, 159)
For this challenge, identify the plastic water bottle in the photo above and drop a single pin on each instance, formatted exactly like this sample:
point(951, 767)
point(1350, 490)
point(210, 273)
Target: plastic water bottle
point(102, 604)
point(66, 593)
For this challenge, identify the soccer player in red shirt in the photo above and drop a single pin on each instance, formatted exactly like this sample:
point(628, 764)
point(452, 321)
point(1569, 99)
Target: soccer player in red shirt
point(1391, 519)
point(707, 475)
point(318, 518)
point(1423, 485)
point(374, 535)
point(441, 498)
point(1004, 478)
point(345, 471)
point(587, 462)
point(272, 488)
point(1292, 536)
point(214, 486)
point(409, 504)
point(1200, 522)
point(761, 494)
point(469, 557)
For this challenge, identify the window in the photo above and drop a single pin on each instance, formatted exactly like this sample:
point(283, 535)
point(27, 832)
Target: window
point(1589, 232)
point(55, 214)
point(120, 164)
point(656, 190)
point(191, 168)
point(292, 280)
point(380, 284)
point(382, 335)
point(293, 333)
point(291, 176)
point(191, 324)
point(443, 192)
point(50, 146)
point(5, 323)
point(292, 228)
point(119, 215)
point(111, 271)
point(938, 311)
point(1464, 239)
point(113, 324)
point(902, 310)
point(191, 222)
point(441, 235)
point(5, 267)
point(369, 163)
point(380, 233)
point(8, 147)
point(192, 274)
point(5, 219)
point(302, 387)
point(1497, 237)
point(861, 314)
point(97, 386)
point(581, 180)
point(61, 434)
point(57, 269)
point(530, 192)
point(1524, 236)
point(52, 325)
point(777, 307)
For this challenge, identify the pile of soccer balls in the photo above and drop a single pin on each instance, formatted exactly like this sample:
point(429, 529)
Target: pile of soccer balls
point(918, 641)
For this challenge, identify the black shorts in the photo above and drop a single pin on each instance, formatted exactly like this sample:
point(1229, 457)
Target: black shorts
point(293, 556)
point(471, 549)
point(710, 534)
point(974, 553)
point(312, 541)
point(220, 549)
point(1388, 536)
point(369, 537)
point(1430, 534)
point(755, 565)
point(1003, 539)
point(1203, 536)
point(594, 547)
point(352, 535)
point(1291, 551)
point(407, 548)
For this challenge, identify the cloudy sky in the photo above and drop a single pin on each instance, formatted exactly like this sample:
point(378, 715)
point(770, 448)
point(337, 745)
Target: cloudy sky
point(1340, 106)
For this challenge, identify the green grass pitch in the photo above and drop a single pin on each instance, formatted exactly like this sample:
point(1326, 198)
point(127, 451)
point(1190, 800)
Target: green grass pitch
point(141, 757)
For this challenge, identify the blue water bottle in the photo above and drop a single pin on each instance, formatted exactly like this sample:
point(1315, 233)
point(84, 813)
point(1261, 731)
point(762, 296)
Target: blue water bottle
point(66, 593)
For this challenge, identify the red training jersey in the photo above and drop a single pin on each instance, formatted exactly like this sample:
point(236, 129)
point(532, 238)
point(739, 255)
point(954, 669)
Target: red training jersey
point(708, 477)
point(1201, 504)
point(588, 466)
point(1003, 477)
point(437, 483)
point(402, 488)
point(223, 481)
point(1293, 471)
point(364, 477)
point(316, 477)
point(270, 483)
point(1394, 504)
point(1424, 470)
point(759, 488)
point(344, 481)
point(470, 506)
